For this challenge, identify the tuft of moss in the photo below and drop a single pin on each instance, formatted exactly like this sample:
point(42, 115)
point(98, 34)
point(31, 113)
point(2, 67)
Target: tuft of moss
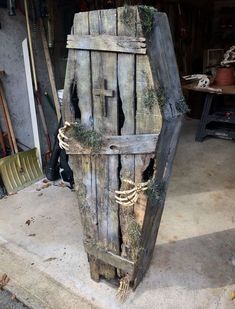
point(155, 190)
point(161, 98)
point(134, 236)
point(181, 106)
point(152, 96)
point(147, 14)
point(87, 138)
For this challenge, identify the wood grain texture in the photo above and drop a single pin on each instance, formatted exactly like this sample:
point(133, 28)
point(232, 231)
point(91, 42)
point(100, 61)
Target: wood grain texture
point(165, 73)
point(126, 76)
point(68, 113)
point(165, 153)
point(86, 166)
point(109, 257)
point(83, 79)
point(104, 67)
point(123, 145)
point(110, 43)
point(164, 65)
point(148, 119)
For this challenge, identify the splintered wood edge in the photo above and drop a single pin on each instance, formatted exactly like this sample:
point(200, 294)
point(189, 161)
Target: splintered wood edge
point(109, 257)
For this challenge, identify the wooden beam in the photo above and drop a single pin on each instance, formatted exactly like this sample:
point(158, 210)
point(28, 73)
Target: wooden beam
point(110, 43)
point(109, 257)
point(113, 145)
point(165, 153)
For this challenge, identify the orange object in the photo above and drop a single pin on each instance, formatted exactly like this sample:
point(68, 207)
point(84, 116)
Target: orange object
point(224, 76)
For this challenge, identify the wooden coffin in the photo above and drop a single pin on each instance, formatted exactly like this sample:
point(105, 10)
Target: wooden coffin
point(122, 82)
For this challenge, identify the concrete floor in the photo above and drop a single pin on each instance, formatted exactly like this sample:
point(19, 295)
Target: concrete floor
point(194, 261)
point(8, 301)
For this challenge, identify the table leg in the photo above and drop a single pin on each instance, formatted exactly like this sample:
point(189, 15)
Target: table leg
point(201, 131)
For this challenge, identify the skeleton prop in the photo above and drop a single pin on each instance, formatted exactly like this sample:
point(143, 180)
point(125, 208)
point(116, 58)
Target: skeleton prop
point(61, 136)
point(130, 197)
point(229, 56)
point(203, 82)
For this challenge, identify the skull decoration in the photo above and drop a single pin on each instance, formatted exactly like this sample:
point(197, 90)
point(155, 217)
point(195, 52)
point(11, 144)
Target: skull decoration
point(204, 82)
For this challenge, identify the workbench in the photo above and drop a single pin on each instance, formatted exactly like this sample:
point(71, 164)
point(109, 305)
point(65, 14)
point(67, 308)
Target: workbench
point(222, 116)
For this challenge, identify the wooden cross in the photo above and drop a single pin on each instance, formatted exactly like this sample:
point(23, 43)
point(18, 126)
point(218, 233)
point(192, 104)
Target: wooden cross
point(103, 93)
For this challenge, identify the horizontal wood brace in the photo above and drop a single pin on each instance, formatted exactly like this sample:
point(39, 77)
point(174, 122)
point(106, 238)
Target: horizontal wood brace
point(114, 145)
point(110, 43)
point(109, 257)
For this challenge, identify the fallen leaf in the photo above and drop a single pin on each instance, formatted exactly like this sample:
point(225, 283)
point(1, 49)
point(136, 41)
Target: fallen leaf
point(4, 280)
point(232, 295)
point(50, 259)
point(32, 235)
point(28, 222)
point(46, 185)
point(45, 180)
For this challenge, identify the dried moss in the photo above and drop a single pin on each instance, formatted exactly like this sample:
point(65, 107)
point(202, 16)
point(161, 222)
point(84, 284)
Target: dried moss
point(161, 98)
point(152, 96)
point(155, 190)
point(181, 106)
point(147, 14)
point(87, 138)
point(134, 236)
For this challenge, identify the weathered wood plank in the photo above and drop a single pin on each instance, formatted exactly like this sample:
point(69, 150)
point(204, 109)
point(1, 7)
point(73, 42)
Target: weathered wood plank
point(110, 43)
point(126, 73)
point(165, 153)
point(110, 67)
point(148, 119)
point(104, 67)
point(86, 167)
point(165, 72)
point(109, 257)
point(68, 113)
point(164, 65)
point(126, 145)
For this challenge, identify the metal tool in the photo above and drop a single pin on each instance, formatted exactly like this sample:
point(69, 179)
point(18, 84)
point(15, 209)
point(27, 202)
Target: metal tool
point(21, 168)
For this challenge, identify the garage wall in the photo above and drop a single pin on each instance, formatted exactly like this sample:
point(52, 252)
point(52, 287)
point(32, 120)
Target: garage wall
point(12, 33)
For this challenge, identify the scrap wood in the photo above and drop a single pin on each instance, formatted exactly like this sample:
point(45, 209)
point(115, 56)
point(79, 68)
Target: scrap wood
point(4, 281)
point(44, 186)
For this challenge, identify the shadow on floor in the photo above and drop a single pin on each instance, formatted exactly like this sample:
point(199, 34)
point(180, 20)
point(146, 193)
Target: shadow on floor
point(201, 262)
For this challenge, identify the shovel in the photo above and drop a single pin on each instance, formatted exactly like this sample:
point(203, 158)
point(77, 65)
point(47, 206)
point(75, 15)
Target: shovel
point(20, 169)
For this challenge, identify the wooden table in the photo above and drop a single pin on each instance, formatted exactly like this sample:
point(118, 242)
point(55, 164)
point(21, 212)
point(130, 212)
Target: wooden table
point(228, 117)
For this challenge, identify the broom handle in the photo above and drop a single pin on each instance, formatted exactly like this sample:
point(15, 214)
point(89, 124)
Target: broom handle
point(8, 119)
point(7, 126)
point(31, 46)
